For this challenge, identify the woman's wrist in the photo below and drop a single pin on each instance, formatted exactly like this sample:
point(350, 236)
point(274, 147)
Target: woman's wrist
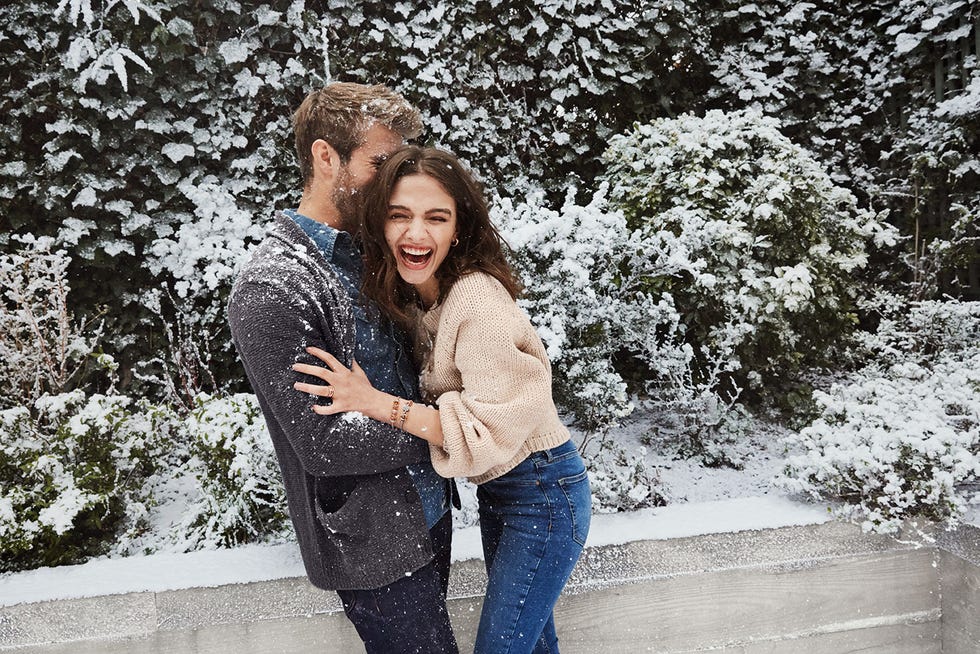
point(396, 410)
point(419, 420)
point(382, 406)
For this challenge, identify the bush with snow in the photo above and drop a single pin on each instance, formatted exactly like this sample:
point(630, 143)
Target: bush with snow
point(43, 349)
point(68, 471)
point(619, 481)
point(753, 244)
point(857, 84)
point(152, 147)
point(568, 260)
point(723, 256)
point(584, 271)
point(238, 496)
point(87, 475)
point(900, 437)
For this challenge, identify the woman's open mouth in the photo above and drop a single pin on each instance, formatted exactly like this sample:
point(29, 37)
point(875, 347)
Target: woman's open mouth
point(416, 257)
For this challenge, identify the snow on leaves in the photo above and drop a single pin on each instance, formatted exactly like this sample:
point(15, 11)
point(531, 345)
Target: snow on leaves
point(900, 437)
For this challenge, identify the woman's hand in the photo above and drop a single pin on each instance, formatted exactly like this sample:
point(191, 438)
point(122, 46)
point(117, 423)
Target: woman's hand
point(350, 389)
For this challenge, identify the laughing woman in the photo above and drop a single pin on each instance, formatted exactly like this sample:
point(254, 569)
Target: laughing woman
point(435, 264)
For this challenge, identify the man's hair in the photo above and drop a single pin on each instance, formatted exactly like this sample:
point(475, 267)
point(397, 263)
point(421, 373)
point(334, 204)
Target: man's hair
point(340, 114)
point(479, 245)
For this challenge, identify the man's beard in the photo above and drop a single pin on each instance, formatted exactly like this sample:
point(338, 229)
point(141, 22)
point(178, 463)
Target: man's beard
point(347, 198)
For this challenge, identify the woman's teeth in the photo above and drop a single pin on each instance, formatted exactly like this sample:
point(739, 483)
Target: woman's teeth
point(416, 256)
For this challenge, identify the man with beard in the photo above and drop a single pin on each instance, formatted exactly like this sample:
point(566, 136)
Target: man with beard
point(371, 515)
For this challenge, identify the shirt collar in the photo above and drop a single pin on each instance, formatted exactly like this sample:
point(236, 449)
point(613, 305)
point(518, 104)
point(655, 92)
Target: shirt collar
point(325, 237)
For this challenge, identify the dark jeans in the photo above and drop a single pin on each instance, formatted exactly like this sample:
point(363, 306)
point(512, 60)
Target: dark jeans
point(534, 521)
point(408, 616)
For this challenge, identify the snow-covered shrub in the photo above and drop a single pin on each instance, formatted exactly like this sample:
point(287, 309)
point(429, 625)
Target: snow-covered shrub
point(757, 249)
point(183, 367)
point(619, 481)
point(238, 495)
point(920, 331)
point(586, 276)
point(153, 140)
point(900, 437)
point(42, 347)
point(68, 469)
point(569, 261)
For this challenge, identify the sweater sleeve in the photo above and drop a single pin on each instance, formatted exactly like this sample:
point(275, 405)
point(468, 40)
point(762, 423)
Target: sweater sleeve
point(506, 380)
point(270, 329)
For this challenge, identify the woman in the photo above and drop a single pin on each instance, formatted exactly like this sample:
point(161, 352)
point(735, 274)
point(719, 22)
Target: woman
point(435, 264)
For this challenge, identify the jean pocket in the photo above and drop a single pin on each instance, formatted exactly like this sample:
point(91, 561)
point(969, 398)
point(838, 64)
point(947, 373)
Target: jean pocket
point(579, 496)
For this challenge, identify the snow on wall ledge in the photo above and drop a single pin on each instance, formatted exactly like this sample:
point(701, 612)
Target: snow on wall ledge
point(251, 563)
point(758, 575)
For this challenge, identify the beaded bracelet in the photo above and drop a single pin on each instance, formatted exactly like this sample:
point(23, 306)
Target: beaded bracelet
point(405, 409)
point(394, 412)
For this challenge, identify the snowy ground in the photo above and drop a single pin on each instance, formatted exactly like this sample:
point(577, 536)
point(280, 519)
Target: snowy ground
point(687, 480)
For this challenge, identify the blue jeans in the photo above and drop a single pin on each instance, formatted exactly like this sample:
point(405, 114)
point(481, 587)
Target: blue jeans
point(534, 521)
point(409, 615)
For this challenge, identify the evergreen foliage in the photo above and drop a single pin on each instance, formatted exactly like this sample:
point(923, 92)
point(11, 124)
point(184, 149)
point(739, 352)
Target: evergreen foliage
point(888, 95)
point(69, 472)
point(152, 140)
point(900, 437)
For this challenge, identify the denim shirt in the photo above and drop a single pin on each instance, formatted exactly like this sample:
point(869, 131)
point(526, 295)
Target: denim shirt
point(379, 349)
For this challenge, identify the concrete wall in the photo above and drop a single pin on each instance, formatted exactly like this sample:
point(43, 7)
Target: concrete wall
point(817, 589)
point(959, 583)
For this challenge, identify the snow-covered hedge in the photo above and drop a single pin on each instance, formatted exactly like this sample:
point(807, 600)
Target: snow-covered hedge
point(238, 493)
point(154, 138)
point(723, 256)
point(900, 437)
point(857, 84)
point(43, 348)
point(150, 139)
point(569, 261)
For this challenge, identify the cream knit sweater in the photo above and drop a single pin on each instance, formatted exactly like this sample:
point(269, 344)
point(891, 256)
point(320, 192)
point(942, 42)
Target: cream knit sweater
point(487, 370)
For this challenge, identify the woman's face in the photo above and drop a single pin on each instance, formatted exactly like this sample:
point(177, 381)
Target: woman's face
point(420, 229)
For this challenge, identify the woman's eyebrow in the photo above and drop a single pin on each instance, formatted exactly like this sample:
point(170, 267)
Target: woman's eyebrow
point(448, 212)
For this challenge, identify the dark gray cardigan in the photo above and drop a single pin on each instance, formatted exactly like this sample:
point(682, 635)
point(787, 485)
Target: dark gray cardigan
point(354, 506)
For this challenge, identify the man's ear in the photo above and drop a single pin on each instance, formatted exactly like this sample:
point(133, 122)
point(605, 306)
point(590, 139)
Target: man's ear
point(326, 161)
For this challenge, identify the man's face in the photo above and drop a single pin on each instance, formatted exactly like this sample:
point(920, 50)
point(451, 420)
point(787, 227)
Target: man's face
point(379, 143)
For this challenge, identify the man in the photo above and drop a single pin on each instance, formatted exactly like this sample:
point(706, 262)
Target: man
point(370, 514)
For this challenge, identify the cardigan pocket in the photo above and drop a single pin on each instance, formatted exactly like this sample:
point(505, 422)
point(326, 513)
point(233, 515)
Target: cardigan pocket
point(375, 533)
point(335, 510)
